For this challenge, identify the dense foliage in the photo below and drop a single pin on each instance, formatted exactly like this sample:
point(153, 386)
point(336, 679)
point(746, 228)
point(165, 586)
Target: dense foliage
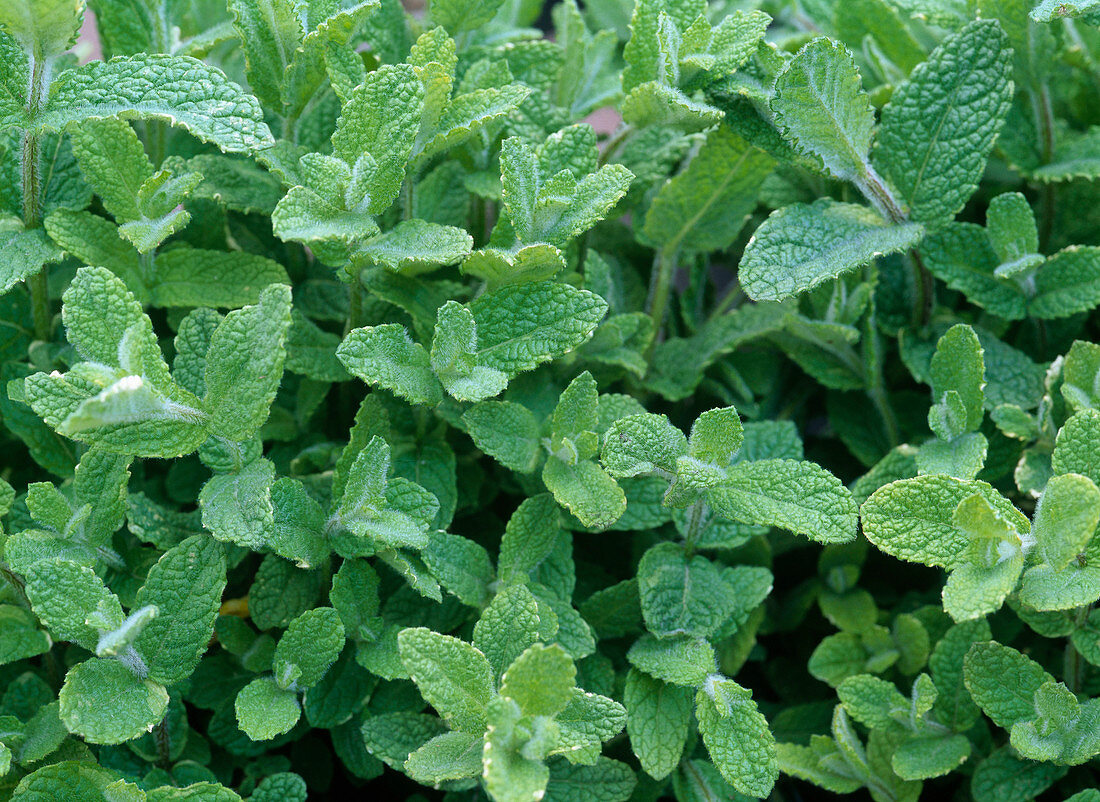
point(369, 419)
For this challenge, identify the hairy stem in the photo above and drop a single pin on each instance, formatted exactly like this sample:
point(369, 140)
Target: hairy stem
point(32, 192)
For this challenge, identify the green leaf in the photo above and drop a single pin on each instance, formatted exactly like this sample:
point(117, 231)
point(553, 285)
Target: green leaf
point(680, 660)
point(1075, 448)
point(644, 443)
point(381, 119)
point(308, 648)
point(197, 277)
point(658, 720)
point(801, 246)
point(27, 252)
point(821, 108)
point(104, 702)
point(65, 596)
point(177, 89)
point(913, 519)
point(385, 355)
point(450, 756)
point(509, 624)
point(1065, 518)
point(799, 496)
point(43, 28)
point(520, 327)
point(506, 431)
point(461, 565)
point(716, 436)
point(270, 31)
point(939, 126)
point(237, 507)
point(510, 776)
point(586, 490)
point(244, 364)
point(737, 737)
point(463, 15)
point(264, 710)
point(415, 244)
point(1003, 682)
point(452, 676)
point(1081, 376)
point(1068, 283)
point(529, 538)
point(540, 680)
point(20, 637)
point(185, 585)
point(958, 366)
point(682, 595)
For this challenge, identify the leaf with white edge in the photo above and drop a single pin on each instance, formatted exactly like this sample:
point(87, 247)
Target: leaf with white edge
point(451, 675)
point(801, 246)
point(264, 710)
point(386, 356)
point(799, 496)
point(940, 125)
point(913, 519)
point(381, 119)
point(737, 737)
point(105, 702)
point(520, 327)
point(821, 108)
point(244, 364)
point(177, 89)
point(416, 244)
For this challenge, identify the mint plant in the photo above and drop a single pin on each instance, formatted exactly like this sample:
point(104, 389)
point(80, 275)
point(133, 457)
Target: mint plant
point(526, 401)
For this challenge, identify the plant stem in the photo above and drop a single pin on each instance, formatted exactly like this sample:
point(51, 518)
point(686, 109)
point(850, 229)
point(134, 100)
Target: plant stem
point(1044, 114)
point(696, 515)
point(355, 303)
point(32, 192)
point(614, 144)
point(664, 268)
point(1072, 667)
